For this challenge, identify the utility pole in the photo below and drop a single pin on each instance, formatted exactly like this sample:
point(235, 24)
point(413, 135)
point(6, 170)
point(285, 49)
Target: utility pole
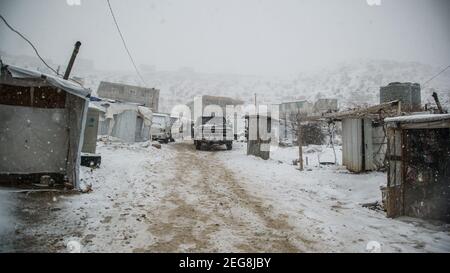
point(72, 60)
point(300, 141)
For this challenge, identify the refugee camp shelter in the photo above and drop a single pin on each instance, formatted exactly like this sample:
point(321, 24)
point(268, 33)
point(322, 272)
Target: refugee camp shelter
point(41, 126)
point(363, 135)
point(419, 166)
point(129, 122)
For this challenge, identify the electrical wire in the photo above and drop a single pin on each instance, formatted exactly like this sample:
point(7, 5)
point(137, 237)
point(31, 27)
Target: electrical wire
point(435, 76)
point(124, 43)
point(35, 50)
point(29, 42)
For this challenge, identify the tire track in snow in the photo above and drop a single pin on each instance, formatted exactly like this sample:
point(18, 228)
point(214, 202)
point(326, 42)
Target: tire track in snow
point(207, 209)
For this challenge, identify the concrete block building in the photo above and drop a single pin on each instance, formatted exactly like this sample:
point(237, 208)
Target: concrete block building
point(148, 97)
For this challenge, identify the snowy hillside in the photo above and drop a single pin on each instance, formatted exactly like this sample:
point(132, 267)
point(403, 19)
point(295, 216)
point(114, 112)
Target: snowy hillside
point(351, 84)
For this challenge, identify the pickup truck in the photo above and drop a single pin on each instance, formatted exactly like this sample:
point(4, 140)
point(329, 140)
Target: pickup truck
point(213, 130)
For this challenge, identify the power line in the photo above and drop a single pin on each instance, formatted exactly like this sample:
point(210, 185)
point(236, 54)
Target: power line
point(35, 50)
point(124, 43)
point(432, 78)
point(30, 43)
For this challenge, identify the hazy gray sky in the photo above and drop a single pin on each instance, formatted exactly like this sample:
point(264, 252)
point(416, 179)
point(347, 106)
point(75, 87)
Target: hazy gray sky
point(233, 36)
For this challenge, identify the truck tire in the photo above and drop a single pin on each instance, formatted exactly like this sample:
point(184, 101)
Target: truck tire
point(198, 145)
point(229, 146)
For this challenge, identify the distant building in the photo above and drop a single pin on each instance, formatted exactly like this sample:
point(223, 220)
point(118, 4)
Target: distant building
point(408, 93)
point(294, 107)
point(148, 97)
point(325, 106)
point(290, 110)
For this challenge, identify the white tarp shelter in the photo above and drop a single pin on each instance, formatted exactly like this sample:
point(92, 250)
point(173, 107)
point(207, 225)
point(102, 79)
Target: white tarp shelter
point(127, 121)
point(42, 120)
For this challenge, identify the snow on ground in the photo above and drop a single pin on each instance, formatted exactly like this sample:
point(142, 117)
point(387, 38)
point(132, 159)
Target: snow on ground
point(177, 199)
point(326, 201)
point(126, 183)
point(312, 154)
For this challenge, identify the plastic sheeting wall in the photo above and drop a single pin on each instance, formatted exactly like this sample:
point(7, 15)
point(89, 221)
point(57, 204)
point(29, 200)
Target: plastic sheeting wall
point(125, 126)
point(103, 125)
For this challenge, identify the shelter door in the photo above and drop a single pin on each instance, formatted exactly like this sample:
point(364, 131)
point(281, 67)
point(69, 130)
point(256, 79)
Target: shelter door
point(394, 197)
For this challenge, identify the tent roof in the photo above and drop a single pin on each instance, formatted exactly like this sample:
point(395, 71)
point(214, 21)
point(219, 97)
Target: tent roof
point(66, 85)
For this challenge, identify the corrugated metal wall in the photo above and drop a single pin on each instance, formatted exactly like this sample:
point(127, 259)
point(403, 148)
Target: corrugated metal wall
point(355, 156)
point(352, 144)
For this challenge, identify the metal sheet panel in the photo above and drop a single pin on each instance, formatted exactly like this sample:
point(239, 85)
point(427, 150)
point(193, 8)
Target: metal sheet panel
point(90, 132)
point(352, 144)
point(379, 145)
point(33, 140)
point(66, 85)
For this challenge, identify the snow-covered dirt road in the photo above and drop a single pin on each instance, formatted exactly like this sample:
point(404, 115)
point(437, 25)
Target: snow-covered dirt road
point(177, 199)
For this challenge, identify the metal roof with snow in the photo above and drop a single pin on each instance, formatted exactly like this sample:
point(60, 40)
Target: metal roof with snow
point(66, 85)
point(419, 118)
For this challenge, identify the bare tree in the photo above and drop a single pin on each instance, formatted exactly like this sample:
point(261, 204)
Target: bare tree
point(310, 132)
